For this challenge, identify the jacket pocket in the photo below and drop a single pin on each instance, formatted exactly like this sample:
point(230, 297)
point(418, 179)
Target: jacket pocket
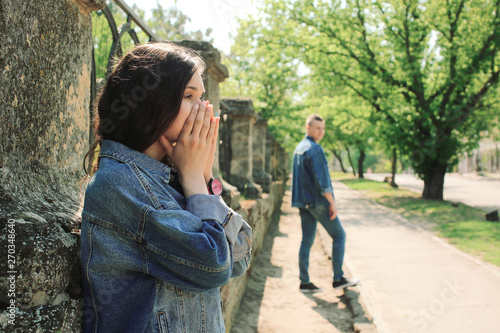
point(161, 321)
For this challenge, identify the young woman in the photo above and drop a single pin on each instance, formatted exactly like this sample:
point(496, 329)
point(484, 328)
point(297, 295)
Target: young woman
point(156, 242)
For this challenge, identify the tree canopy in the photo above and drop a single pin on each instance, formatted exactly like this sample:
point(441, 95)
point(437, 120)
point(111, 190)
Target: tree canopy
point(425, 70)
point(168, 24)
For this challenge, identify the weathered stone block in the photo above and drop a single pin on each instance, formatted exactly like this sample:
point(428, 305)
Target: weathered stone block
point(44, 103)
point(239, 107)
point(230, 195)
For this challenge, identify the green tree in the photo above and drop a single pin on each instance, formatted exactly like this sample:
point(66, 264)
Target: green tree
point(264, 66)
point(269, 75)
point(167, 24)
point(426, 66)
point(349, 126)
point(103, 37)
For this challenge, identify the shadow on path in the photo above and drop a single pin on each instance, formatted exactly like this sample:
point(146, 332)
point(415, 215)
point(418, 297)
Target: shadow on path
point(272, 300)
point(261, 269)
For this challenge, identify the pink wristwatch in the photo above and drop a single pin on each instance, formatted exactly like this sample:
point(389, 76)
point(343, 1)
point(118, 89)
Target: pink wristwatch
point(214, 186)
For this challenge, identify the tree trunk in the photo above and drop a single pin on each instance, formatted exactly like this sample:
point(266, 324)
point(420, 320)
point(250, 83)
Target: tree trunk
point(479, 167)
point(403, 165)
point(339, 158)
point(350, 161)
point(434, 183)
point(394, 167)
point(497, 150)
point(361, 160)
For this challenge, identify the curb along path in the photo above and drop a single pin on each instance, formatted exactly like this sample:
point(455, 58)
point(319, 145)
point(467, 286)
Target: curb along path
point(413, 281)
point(273, 302)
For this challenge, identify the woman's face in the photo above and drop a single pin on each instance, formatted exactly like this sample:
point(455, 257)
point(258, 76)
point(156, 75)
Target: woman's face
point(193, 94)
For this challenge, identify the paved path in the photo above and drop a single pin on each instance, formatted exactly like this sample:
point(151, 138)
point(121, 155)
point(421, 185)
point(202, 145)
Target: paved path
point(472, 190)
point(273, 302)
point(412, 280)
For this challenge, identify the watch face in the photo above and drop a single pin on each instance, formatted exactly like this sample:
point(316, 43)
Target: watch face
point(216, 186)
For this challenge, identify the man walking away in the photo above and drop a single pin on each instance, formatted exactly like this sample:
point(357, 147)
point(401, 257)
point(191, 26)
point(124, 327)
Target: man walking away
point(312, 193)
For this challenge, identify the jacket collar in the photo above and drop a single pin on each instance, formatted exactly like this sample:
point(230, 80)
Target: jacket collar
point(118, 151)
point(310, 138)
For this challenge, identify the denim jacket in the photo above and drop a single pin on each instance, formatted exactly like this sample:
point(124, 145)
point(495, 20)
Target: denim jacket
point(311, 178)
point(152, 260)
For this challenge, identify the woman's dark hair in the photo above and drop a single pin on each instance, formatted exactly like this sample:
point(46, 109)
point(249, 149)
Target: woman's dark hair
point(142, 96)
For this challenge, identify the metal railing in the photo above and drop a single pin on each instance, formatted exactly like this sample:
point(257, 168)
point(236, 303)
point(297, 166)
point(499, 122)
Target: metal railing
point(116, 49)
point(134, 17)
point(118, 32)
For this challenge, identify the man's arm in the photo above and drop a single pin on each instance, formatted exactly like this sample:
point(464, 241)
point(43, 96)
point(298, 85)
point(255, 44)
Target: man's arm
point(333, 207)
point(322, 179)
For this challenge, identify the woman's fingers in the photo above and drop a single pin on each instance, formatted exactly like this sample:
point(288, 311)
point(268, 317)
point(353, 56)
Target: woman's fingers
point(207, 121)
point(196, 140)
point(199, 122)
point(214, 126)
point(212, 136)
point(190, 121)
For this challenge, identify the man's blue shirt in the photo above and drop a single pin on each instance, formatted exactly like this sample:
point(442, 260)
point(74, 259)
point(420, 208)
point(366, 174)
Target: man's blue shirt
point(311, 178)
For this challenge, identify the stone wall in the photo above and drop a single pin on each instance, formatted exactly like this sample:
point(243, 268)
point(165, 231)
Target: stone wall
point(258, 213)
point(45, 74)
point(45, 63)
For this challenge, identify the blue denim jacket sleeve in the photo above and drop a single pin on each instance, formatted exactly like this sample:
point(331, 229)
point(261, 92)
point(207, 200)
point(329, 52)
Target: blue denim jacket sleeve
point(242, 249)
point(238, 232)
point(319, 165)
point(201, 247)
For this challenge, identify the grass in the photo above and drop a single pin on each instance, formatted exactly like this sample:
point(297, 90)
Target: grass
point(459, 224)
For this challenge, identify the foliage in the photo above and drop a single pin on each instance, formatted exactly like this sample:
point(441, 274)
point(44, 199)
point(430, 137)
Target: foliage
point(167, 24)
point(425, 67)
point(269, 76)
point(349, 124)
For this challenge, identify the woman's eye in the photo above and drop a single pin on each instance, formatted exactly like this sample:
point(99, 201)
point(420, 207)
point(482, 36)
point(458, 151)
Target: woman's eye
point(190, 96)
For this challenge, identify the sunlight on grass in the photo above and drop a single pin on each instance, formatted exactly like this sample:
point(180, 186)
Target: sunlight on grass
point(460, 224)
point(340, 176)
point(479, 237)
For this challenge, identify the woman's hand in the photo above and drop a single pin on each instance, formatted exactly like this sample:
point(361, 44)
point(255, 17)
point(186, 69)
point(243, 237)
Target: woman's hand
point(208, 169)
point(193, 151)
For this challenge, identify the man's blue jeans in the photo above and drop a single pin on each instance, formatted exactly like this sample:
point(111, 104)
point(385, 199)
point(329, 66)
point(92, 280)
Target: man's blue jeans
point(310, 217)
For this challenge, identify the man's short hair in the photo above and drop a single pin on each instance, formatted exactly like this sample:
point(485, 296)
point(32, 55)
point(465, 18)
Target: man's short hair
point(313, 117)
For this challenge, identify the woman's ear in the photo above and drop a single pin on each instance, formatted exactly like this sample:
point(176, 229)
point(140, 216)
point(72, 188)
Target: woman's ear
point(167, 147)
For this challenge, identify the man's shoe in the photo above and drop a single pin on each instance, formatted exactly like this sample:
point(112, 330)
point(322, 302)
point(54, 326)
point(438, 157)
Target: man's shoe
point(309, 288)
point(344, 283)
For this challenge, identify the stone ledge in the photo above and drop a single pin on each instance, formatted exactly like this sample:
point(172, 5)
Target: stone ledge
point(238, 107)
point(91, 5)
point(210, 55)
point(258, 213)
